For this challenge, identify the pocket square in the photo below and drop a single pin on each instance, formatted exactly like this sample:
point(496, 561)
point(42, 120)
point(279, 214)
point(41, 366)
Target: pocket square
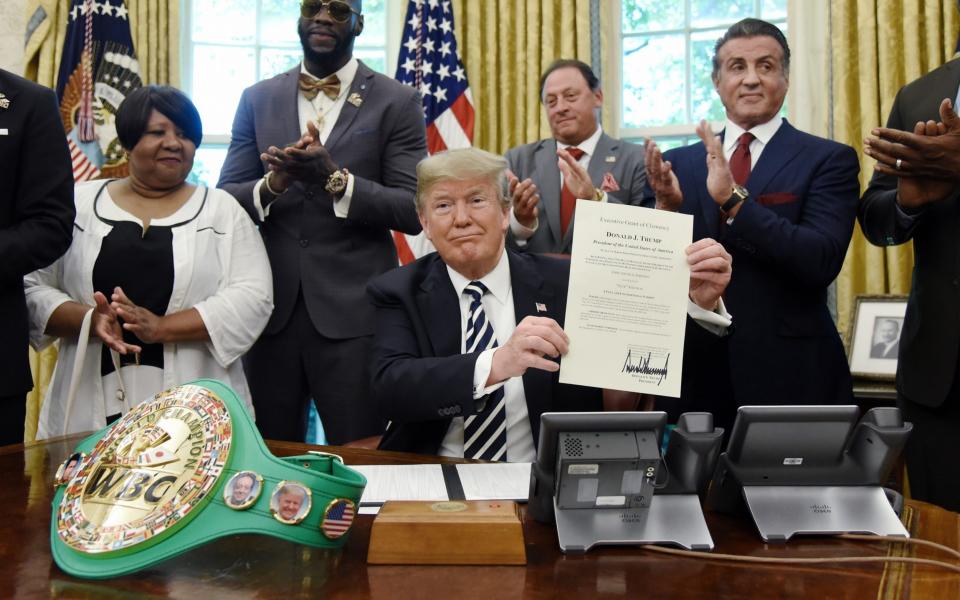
point(609, 184)
point(777, 198)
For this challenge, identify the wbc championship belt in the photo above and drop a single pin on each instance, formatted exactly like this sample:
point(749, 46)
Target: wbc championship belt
point(181, 469)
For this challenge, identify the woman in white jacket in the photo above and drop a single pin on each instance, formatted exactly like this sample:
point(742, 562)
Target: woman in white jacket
point(164, 281)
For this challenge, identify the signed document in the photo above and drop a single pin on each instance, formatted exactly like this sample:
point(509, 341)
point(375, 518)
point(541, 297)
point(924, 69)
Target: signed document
point(627, 302)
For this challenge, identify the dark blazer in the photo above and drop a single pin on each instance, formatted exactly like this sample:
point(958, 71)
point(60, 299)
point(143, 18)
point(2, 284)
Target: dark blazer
point(931, 330)
point(788, 243)
point(538, 161)
point(331, 259)
point(36, 211)
point(421, 380)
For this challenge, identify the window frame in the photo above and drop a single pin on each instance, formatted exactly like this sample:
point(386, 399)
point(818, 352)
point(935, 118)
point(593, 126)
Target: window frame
point(673, 132)
point(394, 30)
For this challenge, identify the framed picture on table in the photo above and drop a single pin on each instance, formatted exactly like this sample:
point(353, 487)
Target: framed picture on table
point(873, 342)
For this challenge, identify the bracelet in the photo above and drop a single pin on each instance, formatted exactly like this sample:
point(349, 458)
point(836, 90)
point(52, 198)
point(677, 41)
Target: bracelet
point(266, 182)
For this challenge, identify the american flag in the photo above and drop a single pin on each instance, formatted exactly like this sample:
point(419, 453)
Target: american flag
point(429, 61)
point(337, 519)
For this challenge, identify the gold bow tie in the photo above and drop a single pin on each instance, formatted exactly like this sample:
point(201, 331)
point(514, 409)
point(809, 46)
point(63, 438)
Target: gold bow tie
point(311, 86)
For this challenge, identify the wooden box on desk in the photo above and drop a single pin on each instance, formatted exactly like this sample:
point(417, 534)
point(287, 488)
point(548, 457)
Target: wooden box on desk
point(487, 532)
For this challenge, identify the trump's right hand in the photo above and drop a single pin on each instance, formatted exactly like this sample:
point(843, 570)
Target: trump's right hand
point(534, 339)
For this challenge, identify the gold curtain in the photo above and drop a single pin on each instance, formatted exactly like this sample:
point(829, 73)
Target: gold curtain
point(504, 46)
point(155, 29)
point(154, 26)
point(878, 46)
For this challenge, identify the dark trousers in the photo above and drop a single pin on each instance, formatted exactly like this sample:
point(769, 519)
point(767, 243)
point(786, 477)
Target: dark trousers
point(287, 369)
point(932, 450)
point(13, 411)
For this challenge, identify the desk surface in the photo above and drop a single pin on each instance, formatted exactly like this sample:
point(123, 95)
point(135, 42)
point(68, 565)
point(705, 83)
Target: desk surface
point(264, 567)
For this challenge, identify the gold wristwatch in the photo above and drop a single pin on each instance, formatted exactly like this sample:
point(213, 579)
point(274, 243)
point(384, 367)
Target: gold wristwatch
point(738, 195)
point(337, 182)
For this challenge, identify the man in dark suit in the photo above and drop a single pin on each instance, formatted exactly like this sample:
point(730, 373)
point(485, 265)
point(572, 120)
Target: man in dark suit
point(437, 375)
point(323, 158)
point(580, 161)
point(36, 225)
point(783, 203)
point(914, 195)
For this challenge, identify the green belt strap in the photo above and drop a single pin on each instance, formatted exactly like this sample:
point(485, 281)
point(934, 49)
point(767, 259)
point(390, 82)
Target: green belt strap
point(126, 497)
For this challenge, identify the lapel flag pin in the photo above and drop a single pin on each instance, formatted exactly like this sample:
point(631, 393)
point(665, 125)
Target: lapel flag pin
point(541, 307)
point(611, 159)
point(355, 99)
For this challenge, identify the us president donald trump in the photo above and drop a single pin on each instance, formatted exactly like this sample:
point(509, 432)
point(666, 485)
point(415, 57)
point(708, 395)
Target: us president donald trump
point(467, 340)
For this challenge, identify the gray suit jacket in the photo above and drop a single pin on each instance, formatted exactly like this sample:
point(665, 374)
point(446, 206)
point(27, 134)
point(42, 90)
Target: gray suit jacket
point(538, 161)
point(930, 339)
point(331, 259)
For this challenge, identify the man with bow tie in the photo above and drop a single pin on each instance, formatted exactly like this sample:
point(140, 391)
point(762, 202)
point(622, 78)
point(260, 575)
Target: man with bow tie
point(579, 162)
point(468, 339)
point(323, 158)
point(783, 203)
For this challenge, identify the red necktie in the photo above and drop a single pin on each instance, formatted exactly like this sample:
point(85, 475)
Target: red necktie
point(740, 159)
point(567, 202)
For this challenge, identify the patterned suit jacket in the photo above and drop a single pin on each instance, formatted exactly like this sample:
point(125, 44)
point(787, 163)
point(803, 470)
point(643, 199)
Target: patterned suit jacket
point(380, 141)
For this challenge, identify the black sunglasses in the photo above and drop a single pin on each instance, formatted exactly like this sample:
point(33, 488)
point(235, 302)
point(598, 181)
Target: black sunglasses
point(338, 10)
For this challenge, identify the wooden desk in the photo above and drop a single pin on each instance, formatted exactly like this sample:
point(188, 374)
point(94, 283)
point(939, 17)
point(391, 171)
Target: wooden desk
point(264, 567)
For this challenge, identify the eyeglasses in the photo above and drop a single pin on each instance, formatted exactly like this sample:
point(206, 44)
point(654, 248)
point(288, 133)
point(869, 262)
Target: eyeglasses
point(338, 10)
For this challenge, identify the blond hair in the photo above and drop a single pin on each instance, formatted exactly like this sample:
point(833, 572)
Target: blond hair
point(459, 165)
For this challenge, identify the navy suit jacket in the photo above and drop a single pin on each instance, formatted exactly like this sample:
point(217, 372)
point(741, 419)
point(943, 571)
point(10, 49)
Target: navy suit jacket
point(421, 380)
point(379, 140)
point(538, 161)
point(930, 339)
point(36, 211)
point(788, 243)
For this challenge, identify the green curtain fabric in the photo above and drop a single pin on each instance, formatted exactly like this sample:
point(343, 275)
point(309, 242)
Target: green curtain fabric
point(504, 46)
point(877, 47)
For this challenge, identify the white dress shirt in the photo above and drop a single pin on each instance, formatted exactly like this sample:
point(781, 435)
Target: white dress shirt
point(498, 307)
point(312, 110)
point(762, 135)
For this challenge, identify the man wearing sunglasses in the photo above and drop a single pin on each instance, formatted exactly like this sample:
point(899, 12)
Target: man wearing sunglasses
point(323, 157)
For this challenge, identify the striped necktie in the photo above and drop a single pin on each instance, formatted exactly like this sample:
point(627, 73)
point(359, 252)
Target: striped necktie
point(485, 433)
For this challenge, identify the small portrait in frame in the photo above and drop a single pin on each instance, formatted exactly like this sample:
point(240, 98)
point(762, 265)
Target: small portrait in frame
point(290, 502)
point(243, 489)
point(874, 336)
point(68, 468)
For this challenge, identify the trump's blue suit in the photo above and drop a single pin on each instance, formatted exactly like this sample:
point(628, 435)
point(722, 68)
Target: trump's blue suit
point(788, 242)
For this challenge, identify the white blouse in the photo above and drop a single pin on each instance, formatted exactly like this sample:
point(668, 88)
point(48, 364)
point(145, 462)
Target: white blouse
point(220, 268)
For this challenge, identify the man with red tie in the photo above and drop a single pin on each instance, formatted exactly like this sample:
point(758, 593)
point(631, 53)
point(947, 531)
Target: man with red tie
point(783, 203)
point(580, 161)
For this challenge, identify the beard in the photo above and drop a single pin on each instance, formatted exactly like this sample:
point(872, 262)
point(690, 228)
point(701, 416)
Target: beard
point(343, 44)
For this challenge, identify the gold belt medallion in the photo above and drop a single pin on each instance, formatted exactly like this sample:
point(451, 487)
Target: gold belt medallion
point(146, 475)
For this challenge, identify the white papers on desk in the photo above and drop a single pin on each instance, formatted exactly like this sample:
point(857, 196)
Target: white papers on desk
point(495, 481)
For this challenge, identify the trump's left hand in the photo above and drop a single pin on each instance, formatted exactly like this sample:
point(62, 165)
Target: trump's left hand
point(710, 269)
